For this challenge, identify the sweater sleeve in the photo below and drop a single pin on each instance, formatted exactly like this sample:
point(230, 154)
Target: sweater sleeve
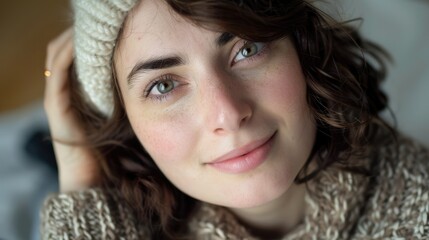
point(89, 214)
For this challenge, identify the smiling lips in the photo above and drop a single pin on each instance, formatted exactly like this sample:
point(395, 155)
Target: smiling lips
point(244, 158)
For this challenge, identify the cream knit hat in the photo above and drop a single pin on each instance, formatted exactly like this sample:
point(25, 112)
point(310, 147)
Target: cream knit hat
point(96, 27)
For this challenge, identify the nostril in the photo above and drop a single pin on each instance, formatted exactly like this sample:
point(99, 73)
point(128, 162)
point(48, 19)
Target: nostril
point(243, 120)
point(219, 130)
point(247, 113)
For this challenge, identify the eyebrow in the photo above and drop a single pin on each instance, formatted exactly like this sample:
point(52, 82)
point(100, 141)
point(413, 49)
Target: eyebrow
point(170, 61)
point(224, 38)
point(154, 64)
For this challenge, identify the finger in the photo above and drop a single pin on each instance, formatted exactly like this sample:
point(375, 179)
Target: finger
point(59, 68)
point(59, 59)
point(56, 45)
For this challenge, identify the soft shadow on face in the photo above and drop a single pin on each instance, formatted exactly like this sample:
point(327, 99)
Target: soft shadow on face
point(226, 121)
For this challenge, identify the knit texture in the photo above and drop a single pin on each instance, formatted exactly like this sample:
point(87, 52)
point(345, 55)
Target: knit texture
point(89, 214)
point(394, 204)
point(96, 27)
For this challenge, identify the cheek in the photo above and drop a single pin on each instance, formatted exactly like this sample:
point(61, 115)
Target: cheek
point(166, 139)
point(157, 140)
point(286, 89)
point(286, 94)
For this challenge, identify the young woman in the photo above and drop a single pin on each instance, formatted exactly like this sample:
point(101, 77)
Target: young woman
point(225, 120)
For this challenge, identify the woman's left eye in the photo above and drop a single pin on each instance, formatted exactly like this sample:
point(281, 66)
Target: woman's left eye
point(249, 49)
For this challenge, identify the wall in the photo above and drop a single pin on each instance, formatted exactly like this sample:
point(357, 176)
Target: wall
point(25, 29)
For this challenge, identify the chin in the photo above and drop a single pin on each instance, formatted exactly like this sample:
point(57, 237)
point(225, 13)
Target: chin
point(256, 193)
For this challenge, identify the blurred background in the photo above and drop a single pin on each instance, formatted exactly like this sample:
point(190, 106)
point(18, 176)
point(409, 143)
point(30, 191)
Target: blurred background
point(25, 29)
point(27, 173)
point(400, 26)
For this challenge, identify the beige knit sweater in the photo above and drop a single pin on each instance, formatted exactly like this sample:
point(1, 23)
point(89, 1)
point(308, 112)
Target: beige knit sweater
point(342, 205)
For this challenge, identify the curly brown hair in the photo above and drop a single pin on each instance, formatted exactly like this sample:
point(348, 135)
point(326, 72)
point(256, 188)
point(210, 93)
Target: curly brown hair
point(343, 92)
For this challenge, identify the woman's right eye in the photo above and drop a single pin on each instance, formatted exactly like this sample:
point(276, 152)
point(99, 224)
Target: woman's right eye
point(160, 87)
point(163, 87)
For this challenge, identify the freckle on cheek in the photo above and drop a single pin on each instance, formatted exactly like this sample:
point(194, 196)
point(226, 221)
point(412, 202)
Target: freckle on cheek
point(157, 143)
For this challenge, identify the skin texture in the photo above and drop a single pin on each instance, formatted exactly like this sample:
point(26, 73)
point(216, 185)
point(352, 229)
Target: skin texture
point(221, 101)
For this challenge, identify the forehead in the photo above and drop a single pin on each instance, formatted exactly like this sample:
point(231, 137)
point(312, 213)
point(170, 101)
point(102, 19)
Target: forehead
point(154, 20)
point(152, 29)
point(149, 16)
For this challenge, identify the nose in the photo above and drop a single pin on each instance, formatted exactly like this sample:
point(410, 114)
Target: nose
point(226, 107)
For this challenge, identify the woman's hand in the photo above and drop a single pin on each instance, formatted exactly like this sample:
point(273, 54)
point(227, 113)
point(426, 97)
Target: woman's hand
point(77, 166)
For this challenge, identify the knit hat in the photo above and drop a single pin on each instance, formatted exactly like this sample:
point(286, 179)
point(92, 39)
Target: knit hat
point(96, 27)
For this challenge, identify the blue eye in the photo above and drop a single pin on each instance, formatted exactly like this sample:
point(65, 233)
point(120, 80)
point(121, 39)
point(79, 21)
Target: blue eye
point(162, 86)
point(248, 50)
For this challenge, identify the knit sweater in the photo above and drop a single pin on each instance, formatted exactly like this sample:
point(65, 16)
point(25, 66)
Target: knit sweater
point(394, 204)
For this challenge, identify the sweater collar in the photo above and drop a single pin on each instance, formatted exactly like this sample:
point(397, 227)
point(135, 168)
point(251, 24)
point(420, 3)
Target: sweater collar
point(334, 201)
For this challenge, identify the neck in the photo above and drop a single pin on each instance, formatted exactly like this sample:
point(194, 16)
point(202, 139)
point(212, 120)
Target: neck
point(277, 217)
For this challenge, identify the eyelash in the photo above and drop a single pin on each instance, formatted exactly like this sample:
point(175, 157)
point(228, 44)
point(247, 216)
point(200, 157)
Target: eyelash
point(169, 77)
point(153, 84)
point(260, 53)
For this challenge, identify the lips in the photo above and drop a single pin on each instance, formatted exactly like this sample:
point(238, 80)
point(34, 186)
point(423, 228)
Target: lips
point(245, 158)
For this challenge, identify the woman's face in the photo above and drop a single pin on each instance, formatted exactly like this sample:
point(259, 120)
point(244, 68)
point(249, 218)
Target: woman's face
point(225, 120)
